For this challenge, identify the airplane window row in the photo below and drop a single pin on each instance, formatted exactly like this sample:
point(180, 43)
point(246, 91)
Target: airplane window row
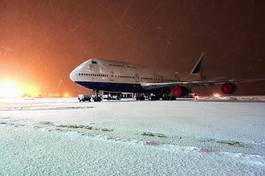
point(147, 78)
point(121, 65)
point(126, 76)
point(116, 65)
point(105, 75)
point(90, 74)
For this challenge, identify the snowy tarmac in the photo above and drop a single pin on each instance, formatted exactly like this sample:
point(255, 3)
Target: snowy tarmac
point(65, 137)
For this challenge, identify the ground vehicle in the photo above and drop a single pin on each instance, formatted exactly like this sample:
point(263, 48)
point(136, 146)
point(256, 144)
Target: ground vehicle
point(83, 98)
point(112, 95)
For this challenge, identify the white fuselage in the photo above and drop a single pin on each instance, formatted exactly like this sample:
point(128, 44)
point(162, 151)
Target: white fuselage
point(100, 74)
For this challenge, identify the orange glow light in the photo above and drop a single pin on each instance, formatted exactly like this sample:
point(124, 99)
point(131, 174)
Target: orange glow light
point(29, 90)
point(9, 89)
point(13, 89)
point(216, 95)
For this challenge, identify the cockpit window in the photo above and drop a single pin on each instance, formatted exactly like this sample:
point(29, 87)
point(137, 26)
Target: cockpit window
point(94, 62)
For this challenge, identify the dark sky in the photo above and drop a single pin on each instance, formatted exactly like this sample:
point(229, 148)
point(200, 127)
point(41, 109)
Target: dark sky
point(41, 41)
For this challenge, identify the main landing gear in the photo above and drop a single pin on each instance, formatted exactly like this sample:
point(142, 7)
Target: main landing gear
point(96, 97)
point(140, 96)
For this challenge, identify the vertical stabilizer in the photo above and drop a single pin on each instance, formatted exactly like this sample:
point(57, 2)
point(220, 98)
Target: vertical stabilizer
point(197, 68)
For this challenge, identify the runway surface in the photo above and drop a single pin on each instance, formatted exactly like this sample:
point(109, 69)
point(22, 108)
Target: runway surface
point(61, 136)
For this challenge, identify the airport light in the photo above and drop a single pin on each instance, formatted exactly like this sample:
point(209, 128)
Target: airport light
point(30, 90)
point(14, 89)
point(66, 94)
point(216, 95)
point(9, 89)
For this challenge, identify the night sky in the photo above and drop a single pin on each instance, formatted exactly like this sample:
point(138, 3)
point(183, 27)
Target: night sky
point(41, 41)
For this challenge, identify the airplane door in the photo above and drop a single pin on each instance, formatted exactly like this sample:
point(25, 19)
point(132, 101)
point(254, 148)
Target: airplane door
point(111, 76)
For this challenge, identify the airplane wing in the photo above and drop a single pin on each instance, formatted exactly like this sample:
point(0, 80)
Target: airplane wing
point(226, 83)
point(196, 83)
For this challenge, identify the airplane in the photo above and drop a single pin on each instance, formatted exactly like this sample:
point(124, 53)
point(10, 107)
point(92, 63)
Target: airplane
point(115, 76)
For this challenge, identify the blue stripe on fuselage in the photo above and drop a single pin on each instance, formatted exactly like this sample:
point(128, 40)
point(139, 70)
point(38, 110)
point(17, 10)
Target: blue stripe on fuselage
point(108, 86)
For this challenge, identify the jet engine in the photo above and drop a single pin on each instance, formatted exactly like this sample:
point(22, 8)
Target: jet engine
point(228, 88)
point(180, 91)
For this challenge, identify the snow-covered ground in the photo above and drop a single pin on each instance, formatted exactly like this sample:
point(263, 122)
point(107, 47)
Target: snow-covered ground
point(65, 137)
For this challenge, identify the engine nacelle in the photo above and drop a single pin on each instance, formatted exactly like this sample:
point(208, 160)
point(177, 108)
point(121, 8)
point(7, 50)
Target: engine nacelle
point(177, 91)
point(228, 88)
point(180, 91)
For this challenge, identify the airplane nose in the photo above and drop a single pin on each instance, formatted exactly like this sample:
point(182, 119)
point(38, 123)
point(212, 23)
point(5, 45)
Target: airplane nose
point(72, 75)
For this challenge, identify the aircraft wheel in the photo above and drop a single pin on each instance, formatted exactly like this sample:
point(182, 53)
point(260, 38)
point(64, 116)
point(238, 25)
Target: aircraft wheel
point(97, 99)
point(140, 98)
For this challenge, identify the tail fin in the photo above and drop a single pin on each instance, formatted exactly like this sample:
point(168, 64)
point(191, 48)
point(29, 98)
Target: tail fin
point(197, 68)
